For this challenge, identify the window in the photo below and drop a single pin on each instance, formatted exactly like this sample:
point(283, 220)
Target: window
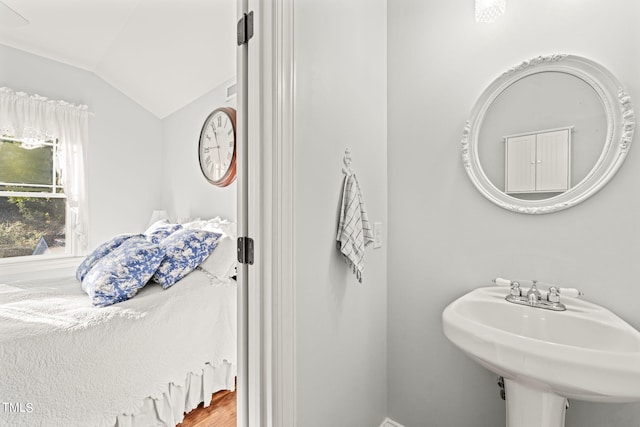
point(32, 200)
point(43, 205)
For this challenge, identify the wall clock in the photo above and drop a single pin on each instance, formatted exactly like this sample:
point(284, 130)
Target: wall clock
point(217, 147)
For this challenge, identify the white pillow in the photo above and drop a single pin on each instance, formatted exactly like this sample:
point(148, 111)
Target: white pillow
point(224, 226)
point(217, 225)
point(223, 260)
point(195, 224)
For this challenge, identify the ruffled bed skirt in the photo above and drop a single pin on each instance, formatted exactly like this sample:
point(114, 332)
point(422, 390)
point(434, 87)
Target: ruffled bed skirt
point(169, 409)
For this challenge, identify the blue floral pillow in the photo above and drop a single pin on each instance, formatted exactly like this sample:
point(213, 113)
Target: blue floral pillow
point(99, 252)
point(160, 230)
point(186, 249)
point(119, 275)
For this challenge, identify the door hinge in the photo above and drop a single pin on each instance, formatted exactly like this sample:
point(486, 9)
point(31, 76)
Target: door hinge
point(245, 28)
point(245, 250)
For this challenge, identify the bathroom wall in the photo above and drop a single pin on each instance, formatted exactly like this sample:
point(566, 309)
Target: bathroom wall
point(445, 238)
point(186, 193)
point(340, 102)
point(124, 156)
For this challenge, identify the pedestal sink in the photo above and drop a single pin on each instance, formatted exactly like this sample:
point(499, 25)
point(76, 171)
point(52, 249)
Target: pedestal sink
point(585, 353)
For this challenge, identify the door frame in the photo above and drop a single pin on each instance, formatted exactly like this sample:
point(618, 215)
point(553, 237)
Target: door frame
point(270, 346)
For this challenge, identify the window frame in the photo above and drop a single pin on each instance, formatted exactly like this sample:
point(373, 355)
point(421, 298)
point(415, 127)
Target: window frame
point(55, 145)
point(52, 194)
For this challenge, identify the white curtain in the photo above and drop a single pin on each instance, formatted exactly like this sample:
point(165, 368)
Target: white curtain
point(34, 116)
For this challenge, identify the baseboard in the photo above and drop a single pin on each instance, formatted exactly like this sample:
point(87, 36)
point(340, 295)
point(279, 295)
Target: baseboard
point(390, 423)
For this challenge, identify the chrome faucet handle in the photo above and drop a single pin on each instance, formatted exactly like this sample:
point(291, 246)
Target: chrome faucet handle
point(553, 295)
point(515, 289)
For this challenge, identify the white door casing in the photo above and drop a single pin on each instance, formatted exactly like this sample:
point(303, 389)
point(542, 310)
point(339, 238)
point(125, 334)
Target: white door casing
point(267, 353)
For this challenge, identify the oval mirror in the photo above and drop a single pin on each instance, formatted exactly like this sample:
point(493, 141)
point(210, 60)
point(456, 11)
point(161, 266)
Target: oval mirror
point(547, 134)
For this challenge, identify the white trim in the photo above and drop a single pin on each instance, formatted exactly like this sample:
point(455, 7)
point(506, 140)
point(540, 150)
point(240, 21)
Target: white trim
point(257, 288)
point(245, 351)
point(390, 423)
point(272, 328)
point(283, 333)
point(569, 128)
point(32, 194)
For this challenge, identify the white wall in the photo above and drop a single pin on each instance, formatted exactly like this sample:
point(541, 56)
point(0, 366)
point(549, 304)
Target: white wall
point(124, 156)
point(446, 239)
point(186, 193)
point(136, 162)
point(340, 102)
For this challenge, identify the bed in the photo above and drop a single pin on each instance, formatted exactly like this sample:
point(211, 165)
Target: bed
point(141, 362)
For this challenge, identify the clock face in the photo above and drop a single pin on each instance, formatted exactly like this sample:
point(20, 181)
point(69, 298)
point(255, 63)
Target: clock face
point(217, 147)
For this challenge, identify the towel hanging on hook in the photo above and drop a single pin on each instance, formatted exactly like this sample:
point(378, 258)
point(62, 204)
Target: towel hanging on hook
point(354, 230)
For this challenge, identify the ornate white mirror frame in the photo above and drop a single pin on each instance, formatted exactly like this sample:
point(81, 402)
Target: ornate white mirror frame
point(620, 121)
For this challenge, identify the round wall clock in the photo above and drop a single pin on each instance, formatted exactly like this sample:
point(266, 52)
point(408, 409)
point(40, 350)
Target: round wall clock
point(217, 147)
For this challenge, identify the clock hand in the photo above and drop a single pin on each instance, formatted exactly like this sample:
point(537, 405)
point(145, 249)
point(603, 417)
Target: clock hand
point(215, 136)
point(219, 158)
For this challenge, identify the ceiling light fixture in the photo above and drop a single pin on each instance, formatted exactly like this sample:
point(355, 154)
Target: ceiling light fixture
point(489, 10)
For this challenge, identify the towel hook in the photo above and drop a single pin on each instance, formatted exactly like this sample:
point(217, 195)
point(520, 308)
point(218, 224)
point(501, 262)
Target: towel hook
point(347, 162)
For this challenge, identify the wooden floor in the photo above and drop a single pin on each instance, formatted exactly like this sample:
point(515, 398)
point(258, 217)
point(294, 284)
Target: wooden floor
point(221, 412)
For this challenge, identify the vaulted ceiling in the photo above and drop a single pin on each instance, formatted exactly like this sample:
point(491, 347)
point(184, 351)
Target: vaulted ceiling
point(161, 53)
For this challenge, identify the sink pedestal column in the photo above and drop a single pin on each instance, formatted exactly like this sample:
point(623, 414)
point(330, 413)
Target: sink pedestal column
point(528, 407)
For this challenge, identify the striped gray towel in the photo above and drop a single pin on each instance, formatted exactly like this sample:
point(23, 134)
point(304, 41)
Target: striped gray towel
point(354, 231)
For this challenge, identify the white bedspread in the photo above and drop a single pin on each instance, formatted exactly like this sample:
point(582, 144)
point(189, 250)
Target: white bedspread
point(65, 363)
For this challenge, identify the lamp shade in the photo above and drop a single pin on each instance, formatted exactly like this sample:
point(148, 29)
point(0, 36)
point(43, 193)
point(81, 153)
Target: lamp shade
point(157, 215)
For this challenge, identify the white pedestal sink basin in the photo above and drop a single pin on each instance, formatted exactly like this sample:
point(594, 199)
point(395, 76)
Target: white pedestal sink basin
point(585, 353)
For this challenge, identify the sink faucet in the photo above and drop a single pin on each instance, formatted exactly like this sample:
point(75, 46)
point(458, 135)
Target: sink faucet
point(533, 294)
point(534, 298)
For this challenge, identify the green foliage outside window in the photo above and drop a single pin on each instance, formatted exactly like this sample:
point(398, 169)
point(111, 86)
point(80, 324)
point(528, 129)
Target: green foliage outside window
point(20, 165)
point(24, 221)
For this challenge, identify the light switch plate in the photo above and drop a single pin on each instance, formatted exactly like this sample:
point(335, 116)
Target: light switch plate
point(377, 235)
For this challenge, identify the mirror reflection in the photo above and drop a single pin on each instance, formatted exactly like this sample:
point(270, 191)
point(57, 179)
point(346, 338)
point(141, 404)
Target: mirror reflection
point(524, 113)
